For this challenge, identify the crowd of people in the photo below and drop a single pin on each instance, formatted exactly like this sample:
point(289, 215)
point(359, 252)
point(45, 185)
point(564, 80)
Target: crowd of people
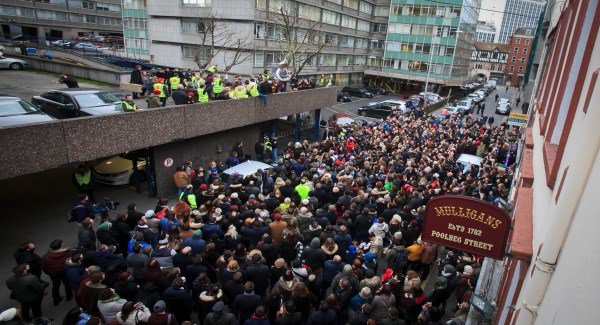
point(329, 235)
point(189, 87)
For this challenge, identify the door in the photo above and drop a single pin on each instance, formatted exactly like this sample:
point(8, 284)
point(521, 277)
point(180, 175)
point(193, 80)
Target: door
point(51, 104)
point(70, 109)
point(4, 63)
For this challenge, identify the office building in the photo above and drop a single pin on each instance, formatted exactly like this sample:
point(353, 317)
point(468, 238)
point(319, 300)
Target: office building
point(488, 61)
point(135, 30)
point(519, 14)
point(349, 33)
point(485, 32)
point(41, 20)
point(429, 42)
point(492, 13)
point(519, 48)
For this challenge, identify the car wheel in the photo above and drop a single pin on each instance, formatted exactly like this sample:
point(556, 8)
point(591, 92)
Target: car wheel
point(15, 66)
point(143, 177)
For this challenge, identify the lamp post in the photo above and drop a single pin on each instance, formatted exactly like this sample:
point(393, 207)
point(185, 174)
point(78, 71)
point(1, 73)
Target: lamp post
point(433, 36)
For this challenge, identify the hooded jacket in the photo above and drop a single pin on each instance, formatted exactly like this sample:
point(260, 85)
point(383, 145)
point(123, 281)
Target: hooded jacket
point(54, 261)
point(313, 255)
point(25, 288)
point(379, 229)
point(109, 308)
point(223, 318)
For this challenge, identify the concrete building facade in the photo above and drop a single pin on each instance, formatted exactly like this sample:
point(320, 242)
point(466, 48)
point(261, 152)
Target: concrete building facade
point(351, 33)
point(40, 20)
point(549, 273)
point(485, 32)
point(430, 41)
point(135, 29)
point(519, 14)
point(492, 13)
point(519, 49)
point(489, 60)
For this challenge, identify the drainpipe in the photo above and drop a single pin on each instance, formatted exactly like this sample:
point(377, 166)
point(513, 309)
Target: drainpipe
point(560, 218)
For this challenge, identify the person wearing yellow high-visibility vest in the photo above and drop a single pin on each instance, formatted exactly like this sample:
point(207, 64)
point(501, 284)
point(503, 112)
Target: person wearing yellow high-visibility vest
point(189, 197)
point(240, 91)
point(162, 88)
point(252, 87)
point(83, 180)
point(217, 87)
point(202, 94)
point(174, 82)
point(197, 80)
point(128, 104)
point(330, 82)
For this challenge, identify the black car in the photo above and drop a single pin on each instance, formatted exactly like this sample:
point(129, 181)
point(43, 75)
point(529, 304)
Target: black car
point(376, 90)
point(343, 97)
point(357, 91)
point(379, 110)
point(76, 102)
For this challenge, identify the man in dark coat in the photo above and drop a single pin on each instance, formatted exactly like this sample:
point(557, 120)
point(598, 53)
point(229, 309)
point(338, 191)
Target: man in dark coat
point(121, 229)
point(179, 300)
point(86, 236)
point(136, 78)
point(220, 316)
point(25, 254)
point(28, 290)
point(257, 272)
point(179, 96)
point(313, 255)
point(245, 304)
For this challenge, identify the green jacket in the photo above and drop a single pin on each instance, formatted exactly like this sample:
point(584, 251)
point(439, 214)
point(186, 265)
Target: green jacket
point(26, 288)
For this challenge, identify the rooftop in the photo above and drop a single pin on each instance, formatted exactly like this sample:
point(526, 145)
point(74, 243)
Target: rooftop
point(490, 47)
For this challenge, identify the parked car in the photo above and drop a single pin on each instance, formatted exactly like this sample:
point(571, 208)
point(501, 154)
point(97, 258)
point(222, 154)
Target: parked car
point(431, 97)
point(357, 91)
point(376, 90)
point(465, 105)
point(481, 94)
point(85, 47)
point(379, 110)
point(12, 63)
point(76, 102)
point(63, 43)
point(400, 104)
point(118, 170)
point(343, 97)
point(503, 106)
point(15, 111)
point(475, 97)
point(241, 171)
point(449, 110)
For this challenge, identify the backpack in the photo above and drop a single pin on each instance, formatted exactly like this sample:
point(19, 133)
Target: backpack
point(71, 216)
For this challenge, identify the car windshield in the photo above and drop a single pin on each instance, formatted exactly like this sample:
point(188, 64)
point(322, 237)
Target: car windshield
point(463, 103)
point(96, 99)
point(16, 107)
point(503, 100)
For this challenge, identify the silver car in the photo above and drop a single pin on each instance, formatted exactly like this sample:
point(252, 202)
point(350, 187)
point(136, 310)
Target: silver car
point(12, 63)
point(15, 111)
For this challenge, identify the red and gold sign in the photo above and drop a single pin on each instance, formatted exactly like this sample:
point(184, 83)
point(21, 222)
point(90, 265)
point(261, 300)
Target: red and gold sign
point(467, 224)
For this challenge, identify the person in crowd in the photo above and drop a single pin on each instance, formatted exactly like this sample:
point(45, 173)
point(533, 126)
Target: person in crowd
point(70, 81)
point(28, 290)
point(136, 78)
point(83, 179)
point(52, 264)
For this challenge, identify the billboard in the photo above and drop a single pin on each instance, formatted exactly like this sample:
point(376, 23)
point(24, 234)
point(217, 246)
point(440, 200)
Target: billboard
point(517, 119)
point(467, 224)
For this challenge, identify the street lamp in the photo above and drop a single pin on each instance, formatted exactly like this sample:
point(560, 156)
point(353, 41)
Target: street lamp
point(433, 36)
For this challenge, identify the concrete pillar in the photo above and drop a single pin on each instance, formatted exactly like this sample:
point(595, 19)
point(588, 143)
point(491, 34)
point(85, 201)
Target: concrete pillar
point(41, 34)
point(317, 127)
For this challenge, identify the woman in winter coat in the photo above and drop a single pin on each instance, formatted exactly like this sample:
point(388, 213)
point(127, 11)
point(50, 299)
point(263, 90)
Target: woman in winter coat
point(286, 284)
point(381, 303)
point(133, 314)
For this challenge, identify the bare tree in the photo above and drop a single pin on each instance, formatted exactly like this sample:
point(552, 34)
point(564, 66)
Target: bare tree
point(216, 38)
point(299, 40)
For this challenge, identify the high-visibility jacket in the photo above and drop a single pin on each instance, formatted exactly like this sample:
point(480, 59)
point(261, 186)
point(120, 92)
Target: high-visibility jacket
point(83, 179)
point(321, 81)
point(174, 82)
point(329, 83)
point(252, 89)
point(202, 95)
point(198, 81)
point(127, 107)
point(302, 190)
point(240, 92)
point(161, 87)
point(267, 146)
point(212, 69)
point(217, 86)
point(190, 198)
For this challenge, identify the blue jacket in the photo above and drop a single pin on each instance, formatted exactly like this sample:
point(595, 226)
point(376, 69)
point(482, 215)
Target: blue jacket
point(343, 242)
point(211, 228)
point(196, 243)
point(74, 275)
point(331, 269)
point(166, 225)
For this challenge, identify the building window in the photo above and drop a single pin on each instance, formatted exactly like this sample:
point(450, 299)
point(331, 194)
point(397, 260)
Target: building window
point(327, 59)
point(259, 59)
point(309, 12)
point(527, 40)
point(82, 4)
point(353, 4)
point(365, 7)
point(108, 7)
point(346, 41)
point(339, 2)
point(361, 43)
point(261, 4)
point(516, 50)
point(522, 60)
point(518, 40)
point(520, 69)
point(275, 33)
point(511, 69)
point(110, 21)
point(195, 53)
point(196, 3)
point(51, 15)
point(377, 45)
point(54, 2)
point(330, 39)
point(513, 59)
point(330, 17)
point(478, 66)
point(364, 26)
point(379, 28)
point(525, 51)
point(381, 11)
point(348, 22)
point(260, 31)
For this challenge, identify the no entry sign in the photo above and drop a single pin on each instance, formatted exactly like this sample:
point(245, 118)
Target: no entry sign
point(467, 224)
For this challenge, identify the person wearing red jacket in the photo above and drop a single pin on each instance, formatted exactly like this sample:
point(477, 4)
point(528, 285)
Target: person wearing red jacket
point(53, 263)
